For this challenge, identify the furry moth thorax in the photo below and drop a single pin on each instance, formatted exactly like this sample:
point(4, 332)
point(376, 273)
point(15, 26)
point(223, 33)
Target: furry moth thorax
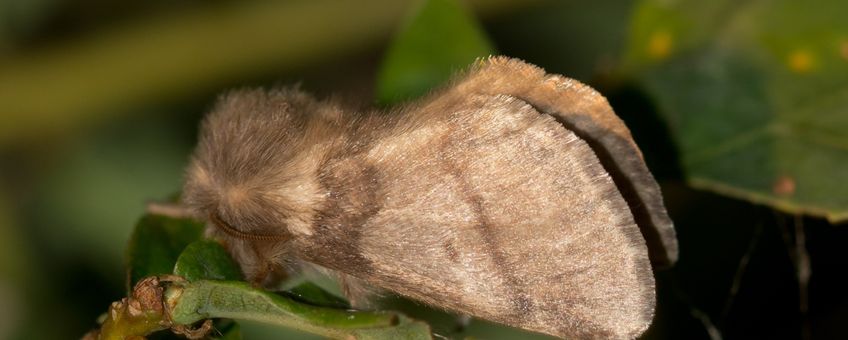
point(511, 195)
point(256, 165)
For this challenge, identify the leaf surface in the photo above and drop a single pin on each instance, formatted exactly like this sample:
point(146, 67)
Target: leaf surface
point(156, 243)
point(199, 300)
point(755, 95)
point(206, 260)
point(439, 40)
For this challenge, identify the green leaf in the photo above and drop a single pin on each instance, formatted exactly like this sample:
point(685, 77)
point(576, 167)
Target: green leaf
point(439, 40)
point(199, 300)
point(206, 260)
point(156, 243)
point(227, 330)
point(406, 328)
point(754, 94)
point(313, 294)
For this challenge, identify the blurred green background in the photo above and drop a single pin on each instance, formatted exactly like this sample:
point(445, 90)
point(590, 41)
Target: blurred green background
point(740, 107)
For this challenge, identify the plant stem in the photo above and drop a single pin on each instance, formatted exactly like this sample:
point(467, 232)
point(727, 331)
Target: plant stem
point(135, 316)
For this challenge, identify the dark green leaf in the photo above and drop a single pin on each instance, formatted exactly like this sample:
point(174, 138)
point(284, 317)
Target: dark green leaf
point(156, 243)
point(206, 260)
point(754, 94)
point(227, 330)
point(405, 328)
point(312, 294)
point(195, 301)
point(439, 40)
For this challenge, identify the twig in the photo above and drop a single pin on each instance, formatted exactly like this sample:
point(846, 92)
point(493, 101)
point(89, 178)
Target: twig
point(711, 329)
point(135, 316)
point(788, 242)
point(796, 247)
point(804, 271)
point(740, 272)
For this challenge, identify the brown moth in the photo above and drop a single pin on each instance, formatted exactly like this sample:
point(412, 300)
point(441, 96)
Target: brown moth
point(511, 195)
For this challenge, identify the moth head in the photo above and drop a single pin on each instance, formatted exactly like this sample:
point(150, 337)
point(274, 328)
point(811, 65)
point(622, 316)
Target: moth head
point(249, 175)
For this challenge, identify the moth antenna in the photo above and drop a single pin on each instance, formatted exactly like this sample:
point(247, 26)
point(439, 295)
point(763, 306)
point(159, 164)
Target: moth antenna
point(233, 232)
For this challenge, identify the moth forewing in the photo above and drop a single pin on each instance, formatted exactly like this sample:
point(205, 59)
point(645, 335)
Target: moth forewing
point(471, 200)
point(502, 214)
point(588, 114)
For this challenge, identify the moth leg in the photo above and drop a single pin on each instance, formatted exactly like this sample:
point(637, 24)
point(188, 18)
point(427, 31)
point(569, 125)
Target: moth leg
point(194, 333)
point(357, 292)
point(258, 277)
point(462, 322)
point(267, 274)
point(174, 210)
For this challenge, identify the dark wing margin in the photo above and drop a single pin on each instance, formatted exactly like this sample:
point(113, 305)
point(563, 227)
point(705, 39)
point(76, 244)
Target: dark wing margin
point(584, 111)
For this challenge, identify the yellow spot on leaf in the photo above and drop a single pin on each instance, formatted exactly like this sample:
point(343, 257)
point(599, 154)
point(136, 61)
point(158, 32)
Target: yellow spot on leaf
point(659, 45)
point(800, 61)
point(843, 50)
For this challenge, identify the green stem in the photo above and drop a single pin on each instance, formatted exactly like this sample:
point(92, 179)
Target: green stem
point(135, 316)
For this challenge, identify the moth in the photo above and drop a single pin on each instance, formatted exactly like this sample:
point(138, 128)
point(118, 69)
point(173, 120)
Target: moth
point(510, 195)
